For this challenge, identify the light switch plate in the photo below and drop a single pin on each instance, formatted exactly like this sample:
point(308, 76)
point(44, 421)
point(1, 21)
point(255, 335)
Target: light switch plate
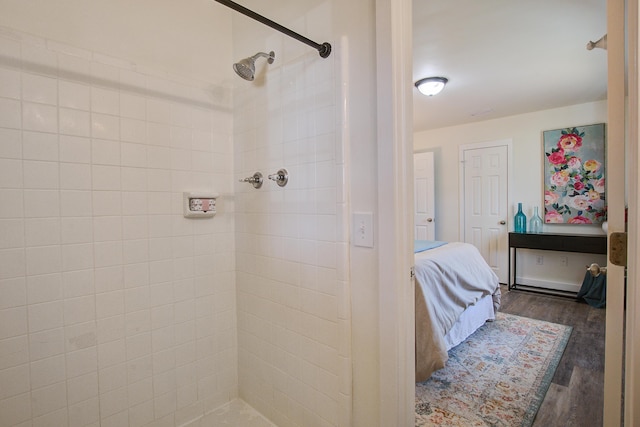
point(363, 229)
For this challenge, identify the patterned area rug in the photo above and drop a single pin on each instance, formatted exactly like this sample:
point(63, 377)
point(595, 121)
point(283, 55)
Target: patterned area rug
point(497, 377)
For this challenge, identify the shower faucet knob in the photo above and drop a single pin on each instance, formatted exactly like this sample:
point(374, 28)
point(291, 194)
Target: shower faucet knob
point(281, 177)
point(255, 180)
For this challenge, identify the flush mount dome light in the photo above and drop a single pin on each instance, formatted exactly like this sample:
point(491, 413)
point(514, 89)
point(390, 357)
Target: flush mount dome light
point(431, 85)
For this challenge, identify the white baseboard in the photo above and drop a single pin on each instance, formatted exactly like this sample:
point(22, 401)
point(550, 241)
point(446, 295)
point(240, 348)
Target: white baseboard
point(560, 286)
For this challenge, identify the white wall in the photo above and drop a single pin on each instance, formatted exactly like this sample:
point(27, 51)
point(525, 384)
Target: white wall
point(310, 115)
point(296, 310)
point(525, 132)
point(354, 21)
point(291, 250)
point(182, 38)
point(114, 309)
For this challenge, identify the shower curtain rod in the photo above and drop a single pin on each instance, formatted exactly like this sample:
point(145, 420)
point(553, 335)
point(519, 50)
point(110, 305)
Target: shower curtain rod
point(324, 49)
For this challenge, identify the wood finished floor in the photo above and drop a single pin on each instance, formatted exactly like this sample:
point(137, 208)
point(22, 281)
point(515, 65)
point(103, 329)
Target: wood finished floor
point(575, 397)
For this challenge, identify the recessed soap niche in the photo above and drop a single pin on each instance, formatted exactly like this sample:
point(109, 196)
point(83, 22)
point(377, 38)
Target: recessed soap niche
point(199, 204)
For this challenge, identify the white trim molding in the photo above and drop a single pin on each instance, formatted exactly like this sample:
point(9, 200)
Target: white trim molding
point(395, 220)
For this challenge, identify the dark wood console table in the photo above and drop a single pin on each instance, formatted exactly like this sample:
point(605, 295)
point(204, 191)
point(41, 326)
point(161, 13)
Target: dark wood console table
point(580, 243)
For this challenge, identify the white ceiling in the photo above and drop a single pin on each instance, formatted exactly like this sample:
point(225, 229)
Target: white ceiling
point(506, 57)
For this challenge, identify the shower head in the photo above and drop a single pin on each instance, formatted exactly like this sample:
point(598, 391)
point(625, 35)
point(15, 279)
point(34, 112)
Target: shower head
point(246, 68)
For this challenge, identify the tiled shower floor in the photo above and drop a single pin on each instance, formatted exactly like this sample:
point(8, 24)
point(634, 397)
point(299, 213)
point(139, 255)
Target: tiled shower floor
point(234, 414)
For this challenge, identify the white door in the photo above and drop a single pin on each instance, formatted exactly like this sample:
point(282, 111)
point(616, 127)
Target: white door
point(423, 175)
point(632, 326)
point(615, 158)
point(485, 193)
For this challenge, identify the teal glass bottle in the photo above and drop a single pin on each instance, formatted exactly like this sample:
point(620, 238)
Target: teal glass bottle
point(535, 224)
point(520, 221)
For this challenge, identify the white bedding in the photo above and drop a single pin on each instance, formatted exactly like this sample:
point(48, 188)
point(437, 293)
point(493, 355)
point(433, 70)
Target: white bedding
point(471, 319)
point(449, 279)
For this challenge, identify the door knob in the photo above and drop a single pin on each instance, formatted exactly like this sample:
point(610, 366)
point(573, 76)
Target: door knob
point(503, 222)
point(429, 219)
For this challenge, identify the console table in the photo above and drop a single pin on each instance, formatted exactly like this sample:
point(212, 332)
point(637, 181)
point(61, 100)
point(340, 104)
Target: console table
point(580, 243)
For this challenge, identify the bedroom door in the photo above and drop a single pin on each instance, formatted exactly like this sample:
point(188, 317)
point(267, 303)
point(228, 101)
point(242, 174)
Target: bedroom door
point(424, 210)
point(485, 196)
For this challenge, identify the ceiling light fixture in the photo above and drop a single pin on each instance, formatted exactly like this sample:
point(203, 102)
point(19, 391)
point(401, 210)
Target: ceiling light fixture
point(431, 85)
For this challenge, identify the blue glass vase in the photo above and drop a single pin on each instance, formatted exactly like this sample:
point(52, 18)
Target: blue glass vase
point(535, 225)
point(520, 221)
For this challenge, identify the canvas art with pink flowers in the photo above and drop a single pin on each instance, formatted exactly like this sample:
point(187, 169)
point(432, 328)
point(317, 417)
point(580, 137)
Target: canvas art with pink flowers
point(574, 175)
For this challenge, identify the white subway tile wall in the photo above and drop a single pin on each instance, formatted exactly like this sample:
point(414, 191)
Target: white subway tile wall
point(103, 283)
point(292, 286)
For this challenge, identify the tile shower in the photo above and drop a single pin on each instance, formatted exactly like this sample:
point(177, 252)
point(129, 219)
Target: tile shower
point(117, 311)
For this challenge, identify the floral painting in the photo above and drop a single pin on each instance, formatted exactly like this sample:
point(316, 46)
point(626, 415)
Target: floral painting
point(574, 175)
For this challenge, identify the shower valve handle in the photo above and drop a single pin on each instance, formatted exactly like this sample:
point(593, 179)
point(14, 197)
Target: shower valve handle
point(281, 177)
point(255, 180)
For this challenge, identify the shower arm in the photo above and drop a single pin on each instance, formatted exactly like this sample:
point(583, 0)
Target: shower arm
point(324, 49)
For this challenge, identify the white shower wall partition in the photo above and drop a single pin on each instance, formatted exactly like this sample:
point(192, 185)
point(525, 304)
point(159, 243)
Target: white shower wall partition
point(114, 309)
point(294, 320)
point(117, 311)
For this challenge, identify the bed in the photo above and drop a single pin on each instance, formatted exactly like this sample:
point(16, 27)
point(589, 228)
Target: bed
point(456, 293)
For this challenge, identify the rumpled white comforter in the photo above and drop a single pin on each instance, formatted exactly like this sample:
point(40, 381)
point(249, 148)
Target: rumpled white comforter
point(449, 279)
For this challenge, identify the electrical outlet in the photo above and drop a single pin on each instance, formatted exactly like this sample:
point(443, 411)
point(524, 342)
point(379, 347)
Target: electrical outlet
point(564, 261)
point(539, 260)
